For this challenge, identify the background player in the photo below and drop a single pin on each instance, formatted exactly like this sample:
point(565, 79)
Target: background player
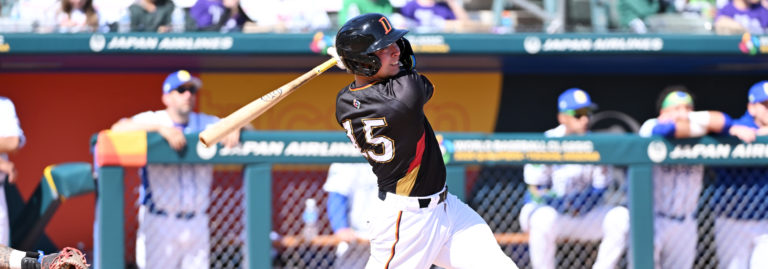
point(352, 190)
point(741, 195)
point(11, 139)
point(565, 199)
point(416, 222)
point(676, 188)
point(173, 224)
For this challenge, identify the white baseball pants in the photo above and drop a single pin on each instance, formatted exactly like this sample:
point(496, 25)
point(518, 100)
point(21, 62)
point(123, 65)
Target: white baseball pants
point(448, 234)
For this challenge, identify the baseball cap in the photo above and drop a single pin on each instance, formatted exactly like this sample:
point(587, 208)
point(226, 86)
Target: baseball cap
point(574, 98)
point(758, 92)
point(178, 78)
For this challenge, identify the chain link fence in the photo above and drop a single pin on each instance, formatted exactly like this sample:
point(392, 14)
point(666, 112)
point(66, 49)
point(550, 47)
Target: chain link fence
point(730, 216)
point(191, 217)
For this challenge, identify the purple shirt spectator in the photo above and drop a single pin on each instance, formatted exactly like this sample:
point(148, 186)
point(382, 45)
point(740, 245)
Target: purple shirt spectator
point(426, 15)
point(208, 13)
point(755, 19)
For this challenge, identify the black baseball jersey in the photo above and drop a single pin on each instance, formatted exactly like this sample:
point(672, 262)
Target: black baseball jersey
point(386, 121)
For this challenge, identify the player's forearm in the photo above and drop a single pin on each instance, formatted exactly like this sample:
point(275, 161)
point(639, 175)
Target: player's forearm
point(130, 125)
point(700, 123)
point(9, 144)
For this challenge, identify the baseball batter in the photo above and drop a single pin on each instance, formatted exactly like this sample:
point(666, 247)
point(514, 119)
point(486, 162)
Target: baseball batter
point(11, 139)
point(564, 201)
point(416, 222)
point(676, 188)
point(173, 224)
point(741, 195)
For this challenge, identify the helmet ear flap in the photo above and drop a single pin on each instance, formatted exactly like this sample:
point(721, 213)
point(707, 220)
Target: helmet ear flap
point(407, 58)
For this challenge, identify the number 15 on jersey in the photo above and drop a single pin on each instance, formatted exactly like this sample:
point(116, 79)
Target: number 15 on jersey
point(386, 143)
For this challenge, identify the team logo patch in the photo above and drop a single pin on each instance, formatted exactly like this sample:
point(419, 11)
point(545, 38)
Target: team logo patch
point(183, 75)
point(657, 151)
point(580, 97)
point(356, 103)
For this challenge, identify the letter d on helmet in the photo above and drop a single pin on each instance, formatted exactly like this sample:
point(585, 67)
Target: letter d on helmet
point(360, 37)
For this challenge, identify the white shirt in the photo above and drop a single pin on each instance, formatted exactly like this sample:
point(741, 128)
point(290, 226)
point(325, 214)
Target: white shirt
point(358, 182)
point(177, 188)
point(9, 126)
point(676, 188)
point(565, 178)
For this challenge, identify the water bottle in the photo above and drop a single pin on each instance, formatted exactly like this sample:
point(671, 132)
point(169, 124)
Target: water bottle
point(309, 217)
point(177, 20)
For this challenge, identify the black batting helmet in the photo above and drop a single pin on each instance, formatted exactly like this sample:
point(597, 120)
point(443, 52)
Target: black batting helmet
point(360, 37)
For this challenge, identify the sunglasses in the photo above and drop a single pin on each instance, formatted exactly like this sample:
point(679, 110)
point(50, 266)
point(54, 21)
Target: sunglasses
point(578, 113)
point(190, 89)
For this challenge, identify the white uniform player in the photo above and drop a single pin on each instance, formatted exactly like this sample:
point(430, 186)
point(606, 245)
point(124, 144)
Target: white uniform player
point(565, 200)
point(676, 188)
point(11, 139)
point(741, 195)
point(173, 224)
point(351, 191)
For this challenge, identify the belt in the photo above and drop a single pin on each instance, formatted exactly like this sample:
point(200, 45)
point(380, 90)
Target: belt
point(423, 202)
point(672, 217)
point(160, 212)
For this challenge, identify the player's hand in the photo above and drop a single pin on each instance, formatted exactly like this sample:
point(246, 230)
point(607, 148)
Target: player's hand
point(332, 51)
point(232, 139)
point(346, 235)
point(744, 133)
point(9, 168)
point(174, 136)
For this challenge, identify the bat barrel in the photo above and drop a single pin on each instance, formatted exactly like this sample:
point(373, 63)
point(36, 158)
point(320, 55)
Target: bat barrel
point(255, 108)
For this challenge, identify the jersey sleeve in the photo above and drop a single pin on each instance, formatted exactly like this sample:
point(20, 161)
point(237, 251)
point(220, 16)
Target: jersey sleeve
point(9, 121)
point(646, 130)
point(537, 174)
point(147, 117)
point(414, 89)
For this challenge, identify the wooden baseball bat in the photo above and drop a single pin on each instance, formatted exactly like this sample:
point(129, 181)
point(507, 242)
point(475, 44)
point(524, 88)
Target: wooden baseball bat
point(255, 108)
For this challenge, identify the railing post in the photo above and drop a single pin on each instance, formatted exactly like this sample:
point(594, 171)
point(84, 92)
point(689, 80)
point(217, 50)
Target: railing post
point(456, 180)
point(641, 215)
point(258, 212)
point(110, 231)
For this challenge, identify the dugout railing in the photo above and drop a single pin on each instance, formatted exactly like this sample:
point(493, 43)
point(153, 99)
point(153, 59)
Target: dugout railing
point(263, 153)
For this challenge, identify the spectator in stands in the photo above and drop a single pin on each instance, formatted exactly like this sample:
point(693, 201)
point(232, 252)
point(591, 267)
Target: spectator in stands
point(33, 15)
point(431, 15)
point(114, 15)
point(633, 12)
point(740, 197)
point(351, 191)
point(565, 200)
point(217, 15)
point(11, 139)
point(77, 16)
point(742, 16)
point(352, 8)
point(285, 16)
point(151, 16)
point(676, 188)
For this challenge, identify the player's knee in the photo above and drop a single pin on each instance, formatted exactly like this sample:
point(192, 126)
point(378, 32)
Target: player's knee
point(543, 219)
point(617, 221)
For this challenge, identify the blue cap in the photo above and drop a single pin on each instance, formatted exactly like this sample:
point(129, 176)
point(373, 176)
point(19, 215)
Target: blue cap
point(178, 78)
point(574, 98)
point(759, 92)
